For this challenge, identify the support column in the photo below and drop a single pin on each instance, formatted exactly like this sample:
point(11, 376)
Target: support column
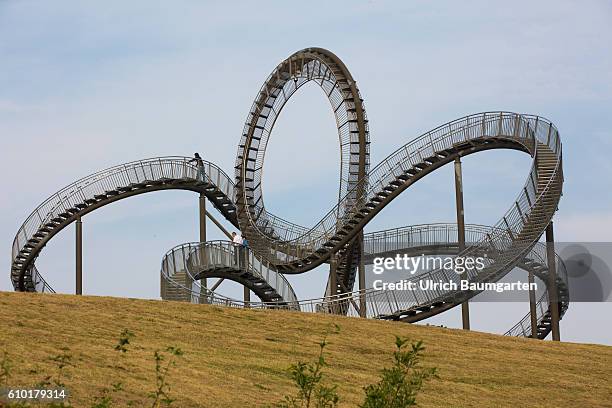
point(362, 283)
point(203, 282)
point(245, 265)
point(202, 217)
point(247, 297)
point(333, 280)
point(79, 256)
point(532, 308)
point(465, 308)
point(553, 302)
point(218, 224)
point(216, 285)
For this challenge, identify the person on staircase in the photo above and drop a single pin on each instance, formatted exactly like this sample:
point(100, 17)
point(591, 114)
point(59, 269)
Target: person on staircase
point(237, 241)
point(245, 251)
point(200, 165)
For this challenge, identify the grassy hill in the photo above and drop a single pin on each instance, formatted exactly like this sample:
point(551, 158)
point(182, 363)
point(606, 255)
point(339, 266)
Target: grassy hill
point(238, 358)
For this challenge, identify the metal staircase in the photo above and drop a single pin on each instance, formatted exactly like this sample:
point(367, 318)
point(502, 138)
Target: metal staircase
point(281, 247)
point(175, 291)
point(105, 187)
point(436, 239)
point(526, 219)
point(327, 71)
point(417, 240)
point(521, 226)
point(224, 259)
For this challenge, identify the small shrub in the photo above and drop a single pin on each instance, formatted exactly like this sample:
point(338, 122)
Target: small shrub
point(105, 400)
point(62, 362)
point(399, 384)
point(160, 395)
point(5, 369)
point(308, 377)
point(124, 341)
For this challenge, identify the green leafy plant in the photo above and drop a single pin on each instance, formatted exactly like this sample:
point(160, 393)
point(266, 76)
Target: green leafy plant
point(105, 400)
point(164, 360)
point(160, 395)
point(399, 384)
point(62, 362)
point(308, 379)
point(5, 369)
point(124, 341)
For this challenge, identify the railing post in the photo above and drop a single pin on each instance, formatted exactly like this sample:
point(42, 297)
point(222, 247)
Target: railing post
point(79, 256)
point(553, 302)
point(465, 308)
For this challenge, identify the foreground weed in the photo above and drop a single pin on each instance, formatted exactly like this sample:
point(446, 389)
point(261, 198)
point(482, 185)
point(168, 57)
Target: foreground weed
point(160, 395)
point(5, 369)
point(400, 384)
point(105, 400)
point(308, 378)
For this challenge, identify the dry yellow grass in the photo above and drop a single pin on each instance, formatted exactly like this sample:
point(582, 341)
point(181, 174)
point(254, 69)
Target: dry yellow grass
point(238, 358)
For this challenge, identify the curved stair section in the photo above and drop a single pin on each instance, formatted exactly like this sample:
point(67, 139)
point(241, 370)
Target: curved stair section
point(325, 69)
point(437, 239)
point(188, 263)
point(526, 219)
point(105, 187)
point(428, 239)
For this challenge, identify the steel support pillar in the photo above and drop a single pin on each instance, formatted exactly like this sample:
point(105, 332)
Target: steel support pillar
point(362, 282)
point(333, 277)
point(218, 224)
point(333, 280)
point(465, 307)
point(532, 308)
point(245, 265)
point(203, 215)
point(216, 285)
point(203, 282)
point(553, 302)
point(79, 256)
point(247, 297)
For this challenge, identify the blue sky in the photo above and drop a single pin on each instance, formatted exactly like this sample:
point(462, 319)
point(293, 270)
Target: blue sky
point(86, 85)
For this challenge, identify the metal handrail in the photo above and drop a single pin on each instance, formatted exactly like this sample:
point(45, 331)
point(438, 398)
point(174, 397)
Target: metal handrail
point(135, 172)
point(328, 71)
point(330, 304)
point(396, 239)
point(210, 255)
point(522, 128)
point(99, 182)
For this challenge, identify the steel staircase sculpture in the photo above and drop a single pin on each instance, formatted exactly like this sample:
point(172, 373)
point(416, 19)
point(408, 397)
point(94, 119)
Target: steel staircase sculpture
point(281, 247)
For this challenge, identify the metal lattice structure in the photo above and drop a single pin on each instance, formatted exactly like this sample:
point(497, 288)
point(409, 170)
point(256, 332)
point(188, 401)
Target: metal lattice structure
point(279, 247)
